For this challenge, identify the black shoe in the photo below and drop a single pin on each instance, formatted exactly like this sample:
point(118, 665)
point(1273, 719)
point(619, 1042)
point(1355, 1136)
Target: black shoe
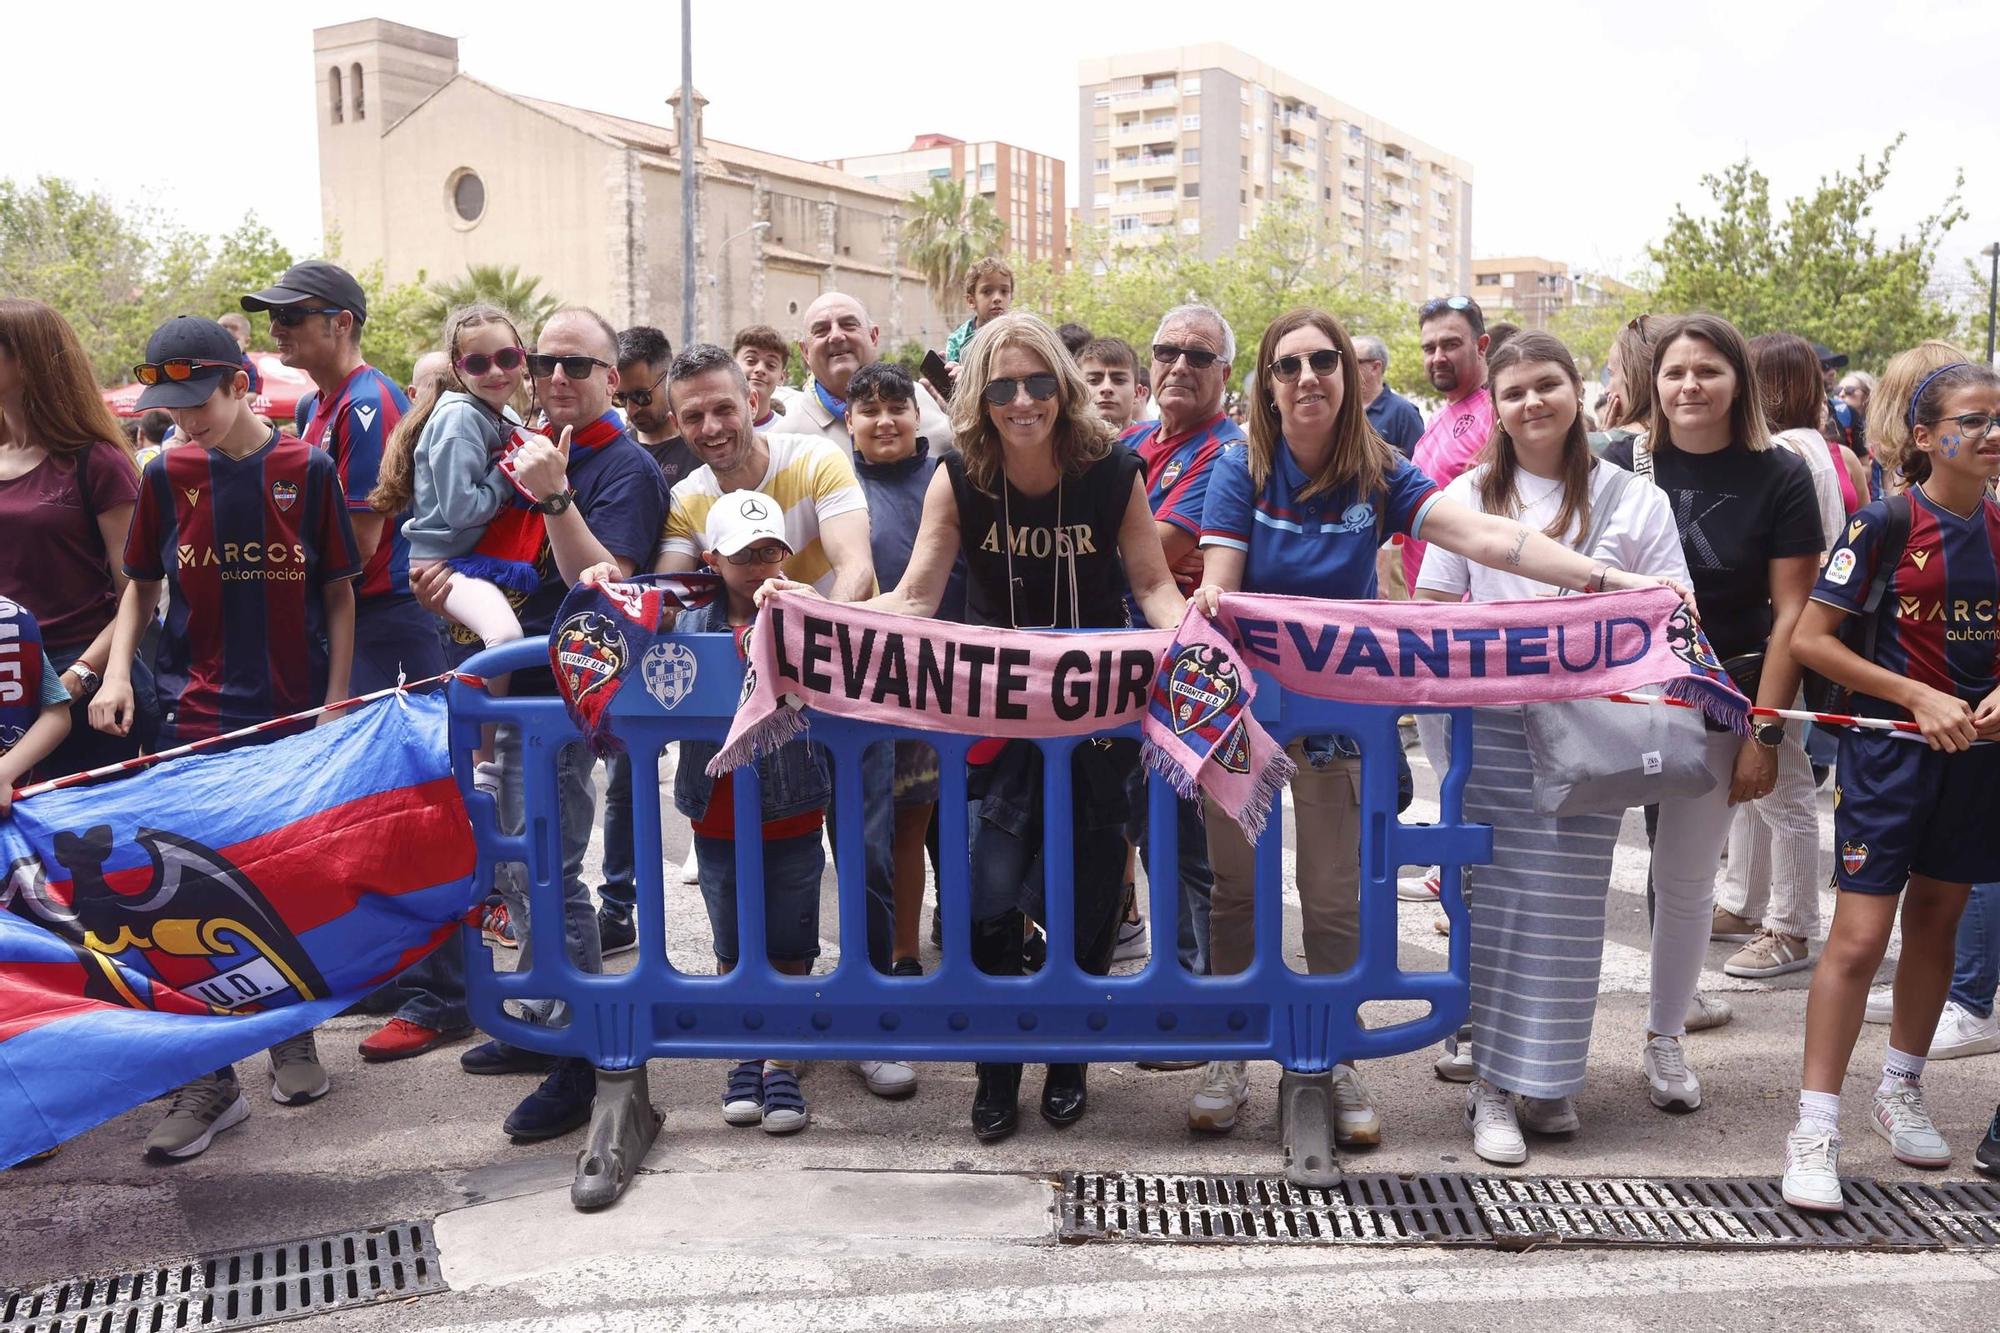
point(996, 1103)
point(500, 1057)
point(617, 932)
point(1986, 1157)
point(561, 1104)
point(907, 967)
point(1035, 950)
point(1063, 1095)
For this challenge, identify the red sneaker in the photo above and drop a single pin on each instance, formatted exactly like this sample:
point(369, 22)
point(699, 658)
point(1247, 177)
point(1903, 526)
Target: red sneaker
point(399, 1039)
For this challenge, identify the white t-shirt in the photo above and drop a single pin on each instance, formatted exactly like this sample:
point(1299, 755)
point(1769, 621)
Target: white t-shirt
point(1640, 537)
point(1811, 446)
point(811, 480)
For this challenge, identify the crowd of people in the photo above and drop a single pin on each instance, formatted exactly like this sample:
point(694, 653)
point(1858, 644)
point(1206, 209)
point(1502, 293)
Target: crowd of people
point(1834, 531)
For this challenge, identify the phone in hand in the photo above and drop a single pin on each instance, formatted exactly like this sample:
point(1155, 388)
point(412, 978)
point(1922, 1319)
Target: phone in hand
point(938, 374)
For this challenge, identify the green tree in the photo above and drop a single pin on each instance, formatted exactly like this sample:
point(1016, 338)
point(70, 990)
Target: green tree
point(1589, 330)
point(948, 233)
point(78, 252)
point(1819, 271)
point(520, 295)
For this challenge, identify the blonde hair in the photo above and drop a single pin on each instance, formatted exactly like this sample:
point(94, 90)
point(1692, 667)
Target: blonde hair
point(1359, 455)
point(1081, 437)
point(395, 482)
point(1888, 428)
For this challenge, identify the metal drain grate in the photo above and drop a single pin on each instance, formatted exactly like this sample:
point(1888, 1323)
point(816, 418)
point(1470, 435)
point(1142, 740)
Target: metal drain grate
point(1513, 1212)
point(238, 1289)
point(1377, 1209)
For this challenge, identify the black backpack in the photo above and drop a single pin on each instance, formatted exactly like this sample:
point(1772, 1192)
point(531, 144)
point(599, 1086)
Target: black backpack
point(1857, 631)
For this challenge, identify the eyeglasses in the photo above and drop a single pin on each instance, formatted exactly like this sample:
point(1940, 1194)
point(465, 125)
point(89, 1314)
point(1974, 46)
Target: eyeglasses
point(1286, 368)
point(1971, 426)
point(542, 366)
point(1198, 358)
point(478, 363)
point(1852, 391)
point(769, 554)
point(291, 316)
point(1437, 305)
point(1041, 387)
point(176, 369)
point(637, 397)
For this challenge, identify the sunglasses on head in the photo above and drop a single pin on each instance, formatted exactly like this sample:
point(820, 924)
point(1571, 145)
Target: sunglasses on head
point(541, 365)
point(768, 554)
point(1437, 305)
point(1286, 368)
point(638, 397)
point(291, 316)
point(1041, 387)
point(176, 369)
point(478, 363)
point(1200, 358)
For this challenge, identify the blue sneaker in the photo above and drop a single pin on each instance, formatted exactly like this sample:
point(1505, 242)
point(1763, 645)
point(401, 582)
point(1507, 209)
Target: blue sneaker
point(561, 1104)
point(784, 1103)
point(743, 1096)
point(500, 1057)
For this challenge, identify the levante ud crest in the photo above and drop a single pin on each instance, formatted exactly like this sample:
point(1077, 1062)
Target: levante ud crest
point(1201, 686)
point(589, 652)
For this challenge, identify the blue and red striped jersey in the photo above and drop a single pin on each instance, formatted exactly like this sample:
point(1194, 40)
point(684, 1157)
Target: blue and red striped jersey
point(247, 547)
point(354, 425)
point(1939, 621)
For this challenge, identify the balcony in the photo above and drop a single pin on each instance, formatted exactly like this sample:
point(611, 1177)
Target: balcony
point(1131, 134)
point(1147, 166)
point(1166, 94)
point(1144, 201)
point(1396, 163)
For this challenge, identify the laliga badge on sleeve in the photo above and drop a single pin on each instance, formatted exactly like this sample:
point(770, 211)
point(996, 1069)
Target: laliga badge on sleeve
point(1841, 568)
point(669, 671)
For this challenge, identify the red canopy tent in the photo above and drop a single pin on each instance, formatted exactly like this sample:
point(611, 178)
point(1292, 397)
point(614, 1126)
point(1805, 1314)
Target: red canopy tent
point(281, 389)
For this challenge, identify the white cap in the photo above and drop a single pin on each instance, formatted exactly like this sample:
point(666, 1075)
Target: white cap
point(742, 519)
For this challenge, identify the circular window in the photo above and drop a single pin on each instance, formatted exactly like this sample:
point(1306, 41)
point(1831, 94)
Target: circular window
point(793, 307)
point(468, 196)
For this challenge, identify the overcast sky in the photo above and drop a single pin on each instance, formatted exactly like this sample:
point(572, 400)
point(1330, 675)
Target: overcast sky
point(1585, 122)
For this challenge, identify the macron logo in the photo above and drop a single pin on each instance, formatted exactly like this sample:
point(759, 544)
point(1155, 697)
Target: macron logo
point(367, 415)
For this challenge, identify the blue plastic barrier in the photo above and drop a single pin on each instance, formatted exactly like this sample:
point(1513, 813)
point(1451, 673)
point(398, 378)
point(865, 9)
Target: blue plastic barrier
point(955, 1013)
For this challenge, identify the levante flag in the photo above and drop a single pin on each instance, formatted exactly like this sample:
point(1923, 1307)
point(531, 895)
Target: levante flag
point(159, 927)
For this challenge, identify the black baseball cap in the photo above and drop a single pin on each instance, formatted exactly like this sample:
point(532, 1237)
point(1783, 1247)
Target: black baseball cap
point(188, 337)
point(314, 280)
point(1828, 358)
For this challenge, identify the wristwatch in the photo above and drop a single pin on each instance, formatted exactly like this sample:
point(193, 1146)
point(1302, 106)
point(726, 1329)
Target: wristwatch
point(555, 504)
point(1770, 735)
point(89, 679)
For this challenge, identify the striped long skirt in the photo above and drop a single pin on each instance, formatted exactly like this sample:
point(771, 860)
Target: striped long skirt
point(1537, 921)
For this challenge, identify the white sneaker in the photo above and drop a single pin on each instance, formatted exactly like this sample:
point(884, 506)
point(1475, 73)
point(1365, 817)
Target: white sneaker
point(1224, 1088)
point(1549, 1115)
point(1455, 1065)
point(1812, 1170)
point(1672, 1082)
point(1705, 1012)
point(1902, 1118)
point(1496, 1134)
point(1355, 1121)
point(690, 869)
point(1133, 942)
point(1426, 890)
point(886, 1078)
point(1960, 1033)
point(1881, 1005)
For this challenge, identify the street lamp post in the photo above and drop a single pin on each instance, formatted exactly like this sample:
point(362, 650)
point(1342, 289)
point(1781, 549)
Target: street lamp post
point(714, 298)
point(686, 136)
point(1992, 252)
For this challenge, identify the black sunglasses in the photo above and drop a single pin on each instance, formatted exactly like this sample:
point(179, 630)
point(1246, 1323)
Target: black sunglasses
point(177, 369)
point(1198, 357)
point(291, 316)
point(542, 365)
point(637, 397)
point(1041, 387)
point(1286, 368)
point(768, 554)
point(478, 363)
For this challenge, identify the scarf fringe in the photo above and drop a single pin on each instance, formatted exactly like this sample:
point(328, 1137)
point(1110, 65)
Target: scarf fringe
point(785, 725)
point(1712, 699)
point(508, 575)
point(1273, 777)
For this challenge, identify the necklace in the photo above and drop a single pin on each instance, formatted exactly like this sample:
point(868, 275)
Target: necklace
point(1059, 547)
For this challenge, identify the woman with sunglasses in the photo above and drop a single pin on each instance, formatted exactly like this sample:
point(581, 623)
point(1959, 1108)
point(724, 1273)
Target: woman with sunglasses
point(1301, 510)
point(1051, 520)
point(67, 488)
point(446, 464)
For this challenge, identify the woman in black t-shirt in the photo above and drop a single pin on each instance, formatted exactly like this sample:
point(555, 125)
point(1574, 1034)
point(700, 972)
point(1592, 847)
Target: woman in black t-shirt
point(1750, 528)
point(1052, 521)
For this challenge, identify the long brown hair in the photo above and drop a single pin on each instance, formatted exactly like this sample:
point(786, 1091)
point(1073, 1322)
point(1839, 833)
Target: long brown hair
point(396, 480)
point(59, 395)
point(1747, 426)
point(1081, 437)
point(1498, 491)
point(1794, 391)
point(1358, 455)
point(1634, 345)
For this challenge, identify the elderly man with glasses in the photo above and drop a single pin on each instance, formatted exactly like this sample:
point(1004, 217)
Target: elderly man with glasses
point(1394, 417)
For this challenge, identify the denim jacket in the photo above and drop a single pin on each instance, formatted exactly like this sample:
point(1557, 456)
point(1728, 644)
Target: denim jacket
point(794, 778)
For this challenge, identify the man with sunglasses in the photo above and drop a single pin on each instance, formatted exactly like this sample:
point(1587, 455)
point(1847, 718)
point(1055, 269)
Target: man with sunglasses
point(1452, 330)
point(643, 357)
point(603, 503)
point(317, 310)
point(840, 339)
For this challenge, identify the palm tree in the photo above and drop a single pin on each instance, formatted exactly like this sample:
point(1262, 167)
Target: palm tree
point(949, 233)
point(519, 295)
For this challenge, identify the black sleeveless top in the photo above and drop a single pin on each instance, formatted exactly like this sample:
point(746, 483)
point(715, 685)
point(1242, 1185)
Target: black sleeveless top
point(1043, 553)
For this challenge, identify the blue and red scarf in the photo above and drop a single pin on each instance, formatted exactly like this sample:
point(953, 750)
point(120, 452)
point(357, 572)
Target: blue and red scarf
point(600, 632)
point(20, 672)
point(509, 551)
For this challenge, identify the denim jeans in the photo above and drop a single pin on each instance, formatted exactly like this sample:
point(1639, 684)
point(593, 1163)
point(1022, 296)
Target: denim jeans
point(576, 815)
point(1977, 972)
point(1197, 880)
point(878, 833)
point(792, 870)
point(431, 991)
point(620, 860)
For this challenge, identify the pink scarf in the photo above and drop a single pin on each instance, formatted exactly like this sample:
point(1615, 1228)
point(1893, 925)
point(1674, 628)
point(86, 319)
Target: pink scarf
point(1191, 690)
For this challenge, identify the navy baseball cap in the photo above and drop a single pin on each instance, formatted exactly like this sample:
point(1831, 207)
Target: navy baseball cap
point(190, 338)
point(314, 280)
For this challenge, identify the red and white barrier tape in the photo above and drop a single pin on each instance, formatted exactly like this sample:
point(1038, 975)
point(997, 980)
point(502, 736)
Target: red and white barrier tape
point(1792, 714)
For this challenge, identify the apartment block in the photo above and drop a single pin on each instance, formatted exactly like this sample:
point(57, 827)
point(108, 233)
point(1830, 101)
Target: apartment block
point(1534, 288)
point(1197, 141)
point(1024, 187)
